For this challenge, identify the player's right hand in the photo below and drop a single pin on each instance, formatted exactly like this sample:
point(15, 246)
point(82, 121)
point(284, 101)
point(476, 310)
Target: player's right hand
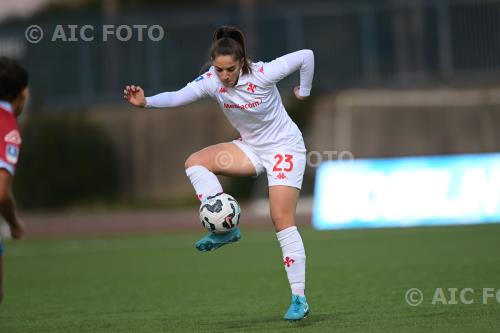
point(135, 96)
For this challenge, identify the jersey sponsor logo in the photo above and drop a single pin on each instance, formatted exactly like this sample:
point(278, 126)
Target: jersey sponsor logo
point(199, 78)
point(12, 153)
point(250, 105)
point(251, 87)
point(13, 137)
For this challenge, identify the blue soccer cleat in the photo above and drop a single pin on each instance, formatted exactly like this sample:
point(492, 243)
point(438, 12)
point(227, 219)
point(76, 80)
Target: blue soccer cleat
point(213, 241)
point(298, 309)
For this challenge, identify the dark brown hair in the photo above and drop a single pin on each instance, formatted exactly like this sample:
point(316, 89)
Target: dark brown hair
point(230, 41)
point(13, 79)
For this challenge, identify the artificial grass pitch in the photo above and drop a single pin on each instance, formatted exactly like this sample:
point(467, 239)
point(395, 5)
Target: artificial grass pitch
point(357, 281)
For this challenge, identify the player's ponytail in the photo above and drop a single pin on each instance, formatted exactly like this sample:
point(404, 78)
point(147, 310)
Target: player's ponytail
point(230, 41)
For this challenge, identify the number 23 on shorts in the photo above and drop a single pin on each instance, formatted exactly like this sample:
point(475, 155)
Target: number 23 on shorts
point(283, 162)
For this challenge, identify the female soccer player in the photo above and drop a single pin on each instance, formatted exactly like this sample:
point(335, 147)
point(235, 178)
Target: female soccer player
point(13, 95)
point(270, 141)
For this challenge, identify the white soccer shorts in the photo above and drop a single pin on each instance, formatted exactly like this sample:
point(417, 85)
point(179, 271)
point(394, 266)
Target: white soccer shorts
point(284, 165)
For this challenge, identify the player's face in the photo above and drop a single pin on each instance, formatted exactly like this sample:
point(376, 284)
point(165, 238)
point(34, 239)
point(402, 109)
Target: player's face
point(227, 69)
point(20, 101)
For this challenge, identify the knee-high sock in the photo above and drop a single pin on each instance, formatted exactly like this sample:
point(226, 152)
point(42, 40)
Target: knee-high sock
point(294, 258)
point(204, 181)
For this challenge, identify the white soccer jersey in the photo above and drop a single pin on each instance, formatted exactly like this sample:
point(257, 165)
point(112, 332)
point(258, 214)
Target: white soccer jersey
point(253, 106)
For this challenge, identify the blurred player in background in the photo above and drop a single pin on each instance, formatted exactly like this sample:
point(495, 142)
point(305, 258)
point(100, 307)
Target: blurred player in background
point(270, 141)
point(13, 95)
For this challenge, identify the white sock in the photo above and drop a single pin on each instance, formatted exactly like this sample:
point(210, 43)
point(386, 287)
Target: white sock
point(204, 181)
point(294, 258)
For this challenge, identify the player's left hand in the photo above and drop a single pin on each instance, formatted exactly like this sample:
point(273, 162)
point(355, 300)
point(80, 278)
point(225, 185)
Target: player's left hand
point(17, 230)
point(296, 91)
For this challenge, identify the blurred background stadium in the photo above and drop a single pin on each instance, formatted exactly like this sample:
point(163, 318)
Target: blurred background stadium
point(77, 125)
point(394, 78)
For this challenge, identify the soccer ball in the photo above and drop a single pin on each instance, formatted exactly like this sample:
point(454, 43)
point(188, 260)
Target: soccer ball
point(220, 213)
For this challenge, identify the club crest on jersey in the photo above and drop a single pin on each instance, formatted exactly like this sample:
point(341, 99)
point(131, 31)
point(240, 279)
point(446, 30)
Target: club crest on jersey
point(251, 87)
point(12, 153)
point(13, 137)
point(209, 74)
point(261, 69)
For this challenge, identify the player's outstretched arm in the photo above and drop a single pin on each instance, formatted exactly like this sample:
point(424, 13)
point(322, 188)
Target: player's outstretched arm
point(135, 96)
point(8, 205)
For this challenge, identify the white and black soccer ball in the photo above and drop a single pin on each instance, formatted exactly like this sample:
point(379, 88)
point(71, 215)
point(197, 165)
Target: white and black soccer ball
point(220, 213)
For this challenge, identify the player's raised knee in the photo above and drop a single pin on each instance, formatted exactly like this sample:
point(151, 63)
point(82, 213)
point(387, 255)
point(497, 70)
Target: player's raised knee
point(194, 159)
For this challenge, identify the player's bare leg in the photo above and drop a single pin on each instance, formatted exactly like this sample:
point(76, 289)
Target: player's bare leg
point(283, 204)
point(202, 168)
point(223, 159)
point(1, 278)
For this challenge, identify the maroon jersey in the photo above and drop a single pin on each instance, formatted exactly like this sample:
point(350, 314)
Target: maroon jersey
point(10, 139)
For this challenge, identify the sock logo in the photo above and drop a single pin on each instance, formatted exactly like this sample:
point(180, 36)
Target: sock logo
point(288, 261)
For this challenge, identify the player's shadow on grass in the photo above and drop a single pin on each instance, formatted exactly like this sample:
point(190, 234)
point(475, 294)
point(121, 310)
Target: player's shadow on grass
point(311, 320)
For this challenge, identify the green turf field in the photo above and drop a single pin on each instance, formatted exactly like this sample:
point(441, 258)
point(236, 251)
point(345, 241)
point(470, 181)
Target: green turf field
point(356, 283)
